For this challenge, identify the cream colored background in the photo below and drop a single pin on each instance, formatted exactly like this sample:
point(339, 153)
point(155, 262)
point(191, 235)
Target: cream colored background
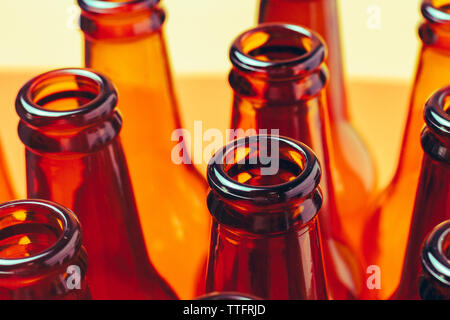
point(380, 54)
point(44, 33)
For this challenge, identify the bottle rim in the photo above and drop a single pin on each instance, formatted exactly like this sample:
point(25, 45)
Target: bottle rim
point(96, 109)
point(300, 38)
point(434, 259)
point(436, 116)
point(108, 7)
point(266, 208)
point(433, 13)
point(303, 184)
point(66, 246)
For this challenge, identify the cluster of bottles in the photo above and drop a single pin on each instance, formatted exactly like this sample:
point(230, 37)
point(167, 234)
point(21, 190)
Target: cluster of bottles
point(310, 230)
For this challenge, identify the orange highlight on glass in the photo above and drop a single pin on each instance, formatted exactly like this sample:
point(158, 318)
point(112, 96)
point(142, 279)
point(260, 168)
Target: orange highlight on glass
point(125, 41)
point(351, 164)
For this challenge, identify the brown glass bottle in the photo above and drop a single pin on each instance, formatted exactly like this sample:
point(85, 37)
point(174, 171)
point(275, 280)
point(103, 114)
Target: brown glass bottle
point(70, 127)
point(434, 283)
point(125, 41)
point(432, 204)
point(386, 235)
point(278, 78)
point(264, 237)
point(354, 176)
point(41, 252)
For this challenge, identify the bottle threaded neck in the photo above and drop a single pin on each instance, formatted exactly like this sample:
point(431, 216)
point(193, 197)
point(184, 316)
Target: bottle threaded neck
point(264, 184)
point(68, 110)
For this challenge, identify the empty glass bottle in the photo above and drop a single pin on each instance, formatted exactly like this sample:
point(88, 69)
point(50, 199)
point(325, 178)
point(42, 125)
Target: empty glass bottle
point(264, 200)
point(386, 235)
point(41, 252)
point(354, 176)
point(70, 127)
point(278, 78)
point(434, 283)
point(432, 204)
point(125, 41)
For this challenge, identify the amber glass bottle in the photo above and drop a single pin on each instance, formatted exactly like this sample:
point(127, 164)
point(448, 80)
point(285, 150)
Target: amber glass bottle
point(432, 204)
point(70, 125)
point(125, 41)
point(41, 252)
point(354, 176)
point(434, 283)
point(278, 78)
point(264, 238)
point(386, 235)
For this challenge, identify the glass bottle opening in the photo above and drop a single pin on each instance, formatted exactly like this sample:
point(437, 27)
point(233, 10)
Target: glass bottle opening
point(76, 97)
point(64, 92)
point(436, 253)
point(436, 11)
point(245, 164)
point(279, 50)
point(36, 234)
point(115, 6)
point(269, 182)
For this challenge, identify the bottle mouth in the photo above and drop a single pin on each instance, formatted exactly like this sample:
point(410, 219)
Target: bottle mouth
point(269, 181)
point(436, 253)
point(116, 6)
point(436, 11)
point(437, 113)
point(108, 20)
point(278, 50)
point(66, 98)
point(36, 235)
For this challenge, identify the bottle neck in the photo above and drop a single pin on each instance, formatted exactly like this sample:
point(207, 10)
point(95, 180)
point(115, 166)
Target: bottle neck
point(322, 17)
point(74, 182)
point(435, 30)
point(139, 67)
point(287, 265)
point(433, 58)
point(431, 208)
point(295, 107)
point(41, 256)
point(264, 239)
